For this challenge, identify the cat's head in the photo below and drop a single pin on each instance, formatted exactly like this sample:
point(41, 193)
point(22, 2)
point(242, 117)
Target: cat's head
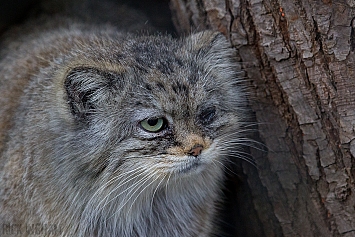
point(157, 105)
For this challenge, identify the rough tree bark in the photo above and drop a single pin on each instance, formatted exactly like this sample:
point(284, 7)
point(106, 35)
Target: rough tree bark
point(299, 56)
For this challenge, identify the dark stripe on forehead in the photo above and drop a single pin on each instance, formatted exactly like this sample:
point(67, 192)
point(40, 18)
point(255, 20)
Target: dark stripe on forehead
point(161, 86)
point(148, 87)
point(180, 88)
point(165, 67)
point(194, 75)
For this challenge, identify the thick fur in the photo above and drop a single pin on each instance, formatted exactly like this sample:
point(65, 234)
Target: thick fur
point(73, 153)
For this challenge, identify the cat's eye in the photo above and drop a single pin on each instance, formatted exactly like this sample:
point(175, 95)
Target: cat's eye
point(153, 124)
point(207, 116)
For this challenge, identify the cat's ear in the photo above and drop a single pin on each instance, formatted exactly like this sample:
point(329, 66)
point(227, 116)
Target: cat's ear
point(88, 90)
point(208, 42)
point(213, 51)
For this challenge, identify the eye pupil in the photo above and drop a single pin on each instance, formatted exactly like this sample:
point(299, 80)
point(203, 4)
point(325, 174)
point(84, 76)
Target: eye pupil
point(152, 122)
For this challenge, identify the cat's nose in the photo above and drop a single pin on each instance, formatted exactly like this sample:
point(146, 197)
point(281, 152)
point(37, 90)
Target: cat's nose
point(196, 150)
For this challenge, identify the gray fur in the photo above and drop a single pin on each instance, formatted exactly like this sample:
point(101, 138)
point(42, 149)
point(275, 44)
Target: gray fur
point(73, 153)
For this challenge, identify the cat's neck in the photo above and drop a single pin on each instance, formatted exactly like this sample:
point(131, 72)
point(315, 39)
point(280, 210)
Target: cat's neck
point(147, 209)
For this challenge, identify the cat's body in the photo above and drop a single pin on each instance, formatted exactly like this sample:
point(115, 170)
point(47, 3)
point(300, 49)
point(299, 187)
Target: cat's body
point(108, 134)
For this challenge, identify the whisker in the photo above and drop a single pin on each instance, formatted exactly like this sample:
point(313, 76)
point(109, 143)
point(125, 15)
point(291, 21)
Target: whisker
point(225, 167)
point(129, 190)
point(240, 145)
point(112, 180)
point(141, 182)
point(128, 179)
point(236, 139)
point(151, 203)
point(166, 186)
point(143, 191)
point(248, 160)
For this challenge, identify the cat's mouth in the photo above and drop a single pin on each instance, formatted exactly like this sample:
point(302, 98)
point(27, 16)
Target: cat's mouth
point(191, 165)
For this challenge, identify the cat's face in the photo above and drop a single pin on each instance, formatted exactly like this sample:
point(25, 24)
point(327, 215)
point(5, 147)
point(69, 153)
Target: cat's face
point(171, 110)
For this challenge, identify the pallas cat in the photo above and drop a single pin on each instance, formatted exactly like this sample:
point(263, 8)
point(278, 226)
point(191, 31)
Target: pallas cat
point(107, 133)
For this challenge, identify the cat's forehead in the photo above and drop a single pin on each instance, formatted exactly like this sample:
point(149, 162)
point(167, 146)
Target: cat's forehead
point(167, 77)
point(174, 93)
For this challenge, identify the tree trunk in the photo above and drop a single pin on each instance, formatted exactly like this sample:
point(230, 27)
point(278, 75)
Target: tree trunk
point(299, 58)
